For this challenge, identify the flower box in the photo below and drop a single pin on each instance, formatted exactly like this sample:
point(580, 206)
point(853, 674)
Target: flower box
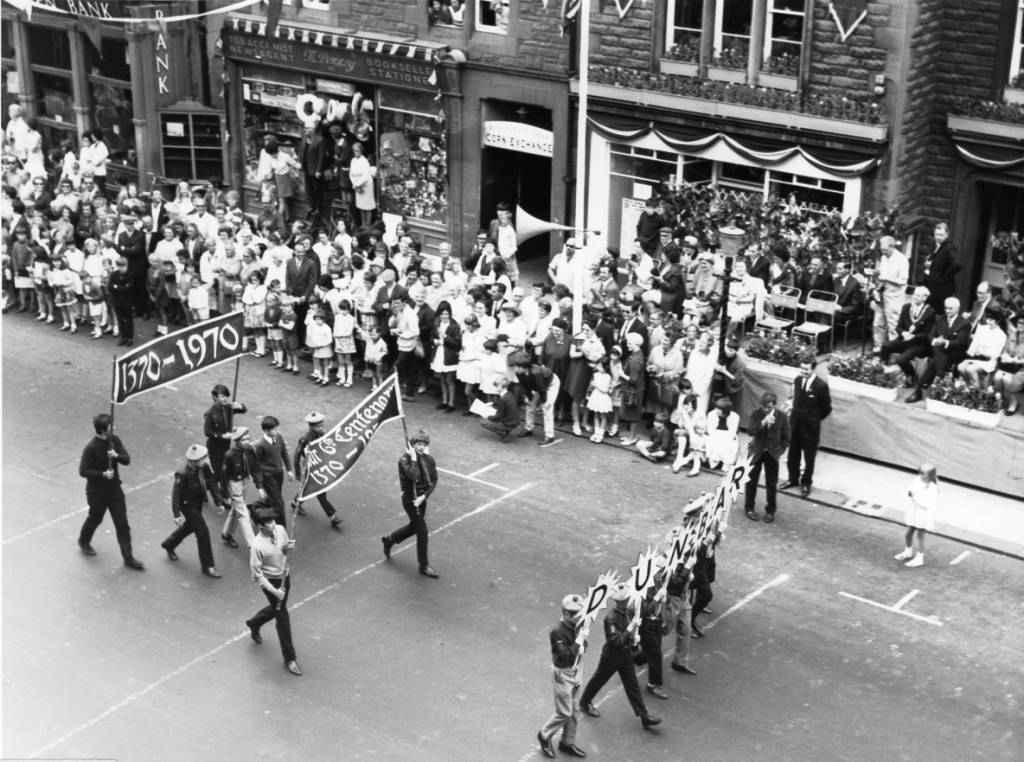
point(777, 81)
point(648, 98)
point(863, 390)
point(1013, 95)
point(782, 371)
point(680, 68)
point(977, 417)
point(721, 74)
point(988, 127)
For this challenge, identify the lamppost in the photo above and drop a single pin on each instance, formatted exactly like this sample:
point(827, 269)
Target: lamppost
point(731, 239)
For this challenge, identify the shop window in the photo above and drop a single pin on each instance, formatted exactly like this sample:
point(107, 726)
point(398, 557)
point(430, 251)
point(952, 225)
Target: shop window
point(492, 16)
point(55, 97)
point(783, 37)
point(825, 195)
point(50, 48)
point(683, 30)
point(51, 78)
point(733, 20)
point(413, 167)
point(445, 12)
point(741, 177)
point(269, 110)
point(1017, 54)
point(698, 171)
point(192, 145)
point(110, 91)
point(10, 85)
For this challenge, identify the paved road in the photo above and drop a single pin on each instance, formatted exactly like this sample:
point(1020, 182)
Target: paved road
point(100, 661)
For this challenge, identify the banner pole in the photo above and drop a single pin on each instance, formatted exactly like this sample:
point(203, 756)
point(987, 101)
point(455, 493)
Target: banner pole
point(234, 389)
point(113, 392)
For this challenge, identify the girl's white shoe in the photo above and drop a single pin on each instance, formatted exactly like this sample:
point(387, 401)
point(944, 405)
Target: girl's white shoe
point(907, 553)
point(917, 560)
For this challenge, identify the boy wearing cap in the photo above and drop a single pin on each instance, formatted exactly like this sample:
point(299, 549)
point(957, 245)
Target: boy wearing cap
point(565, 677)
point(188, 496)
point(417, 474)
point(316, 430)
point(240, 464)
point(268, 558)
point(617, 656)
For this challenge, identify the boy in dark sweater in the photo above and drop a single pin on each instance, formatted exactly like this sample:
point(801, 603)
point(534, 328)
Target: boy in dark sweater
point(506, 416)
point(648, 225)
point(272, 454)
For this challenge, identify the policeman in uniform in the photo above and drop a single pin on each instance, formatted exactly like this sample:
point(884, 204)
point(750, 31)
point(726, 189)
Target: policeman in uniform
point(316, 430)
point(240, 464)
point(617, 656)
point(565, 676)
point(417, 474)
point(188, 496)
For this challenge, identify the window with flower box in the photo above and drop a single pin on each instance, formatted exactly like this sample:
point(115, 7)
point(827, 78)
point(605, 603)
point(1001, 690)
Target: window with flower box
point(492, 16)
point(783, 37)
point(733, 24)
point(683, 30)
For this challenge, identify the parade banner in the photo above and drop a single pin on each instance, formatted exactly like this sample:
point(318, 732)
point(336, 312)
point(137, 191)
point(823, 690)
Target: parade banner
point(330, 458)
point(178, 355)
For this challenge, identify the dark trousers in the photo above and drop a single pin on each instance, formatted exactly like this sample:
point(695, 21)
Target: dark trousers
point(194, 524)
point(314, 194)
point(804, 442)
point(417, 526)
point(907, 354)
point(273, 484)
point(406, 367)
point(771, 481)
point(497, 428)
point(217, 463)
point(100, 501)
point(650, 644)
point(278, 611)
point(125, 322)
point(942, 362)
point(608, 666)
point(301, 310)
point(326, 505)
point(702, 595)
point(140, 295)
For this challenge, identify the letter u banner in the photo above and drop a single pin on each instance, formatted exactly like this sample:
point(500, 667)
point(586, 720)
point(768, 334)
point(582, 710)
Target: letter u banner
point(330, 458)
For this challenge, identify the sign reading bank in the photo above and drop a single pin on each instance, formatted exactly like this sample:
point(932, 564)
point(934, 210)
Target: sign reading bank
point(514, 136)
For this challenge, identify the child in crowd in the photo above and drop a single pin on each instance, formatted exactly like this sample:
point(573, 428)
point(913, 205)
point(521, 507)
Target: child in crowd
point(109, 266)
point(506, 412)
point(272, 318)
point(615, 392)
point(64, 293)
point(344, 341)
point(198, 300)
point(599, 400)
point(44, 291)
point(374, 354)
point(723, 431)
point(660, 444)
point(92, 290)
point(924, 496)
point(490, 370)
point(470, 371)
point(289, 336)
point(254, 307)
point(320, 340)
point(698, 442)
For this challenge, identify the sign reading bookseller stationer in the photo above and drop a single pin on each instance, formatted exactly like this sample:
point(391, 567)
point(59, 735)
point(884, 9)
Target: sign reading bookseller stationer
point(350, 63)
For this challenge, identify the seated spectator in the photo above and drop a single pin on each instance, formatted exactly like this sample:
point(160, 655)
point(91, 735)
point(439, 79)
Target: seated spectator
point(984, 299)
point(1009, 376)
point(723, 434)
point(660, 444)
point(605, 290)
point(506, 416)
point(815, 278)
point(949, 340)
point(705, 293)
point(986, 346)
point(850, 305)
point(730, 373)
point(912, 334)
point(783, 272)
point(744, 293)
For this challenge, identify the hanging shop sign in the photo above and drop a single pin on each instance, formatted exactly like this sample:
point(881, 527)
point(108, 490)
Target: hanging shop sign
point(515, 136)
point(349, 63)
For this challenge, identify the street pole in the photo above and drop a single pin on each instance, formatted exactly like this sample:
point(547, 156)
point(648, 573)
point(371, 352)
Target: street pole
point(581, 165)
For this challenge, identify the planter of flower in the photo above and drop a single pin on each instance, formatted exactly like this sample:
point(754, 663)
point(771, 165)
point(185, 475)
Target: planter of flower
point(680, 68)
point(648, 98)
point(777, 355)
point(865, 377)
point(721, 74)
point(1007, 130)
point(955, 399)
point(773, 369)
point(777, 81)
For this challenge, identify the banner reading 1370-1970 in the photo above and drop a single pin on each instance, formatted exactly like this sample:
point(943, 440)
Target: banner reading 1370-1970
point(178, 355)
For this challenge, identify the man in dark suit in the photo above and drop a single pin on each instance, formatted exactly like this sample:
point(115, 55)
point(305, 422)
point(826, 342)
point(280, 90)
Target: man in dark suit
point(301, 275)
point(769, 438)
point(150, 236)
point(131, 244)
point(122, 297)
point(633, 324)
point(941, 268)
point(916, 321)
point(157, 208)
point(390, 293)
point(850, 304)
point(948, 341)
point(313, 156)
point(670, 280)
point(812, 404)
point(977, 313)
point(814, 278)
point(604, 330)
point(760, 266)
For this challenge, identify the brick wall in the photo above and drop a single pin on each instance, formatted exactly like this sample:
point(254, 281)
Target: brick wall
point(623, 42)
point(847, 68)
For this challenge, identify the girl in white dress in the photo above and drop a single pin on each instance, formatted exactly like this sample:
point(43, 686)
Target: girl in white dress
point(924, 494)
point(723, 428)
point(600, 402)
point(469, 357)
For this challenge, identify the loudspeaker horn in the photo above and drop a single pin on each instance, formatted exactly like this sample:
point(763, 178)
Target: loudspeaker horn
point(527, 226)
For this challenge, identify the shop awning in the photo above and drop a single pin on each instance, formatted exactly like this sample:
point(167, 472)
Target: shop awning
point(761, 151)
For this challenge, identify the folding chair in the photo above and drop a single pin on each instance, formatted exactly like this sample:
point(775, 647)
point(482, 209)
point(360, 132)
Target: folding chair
point(788, 299)
point(821, 303)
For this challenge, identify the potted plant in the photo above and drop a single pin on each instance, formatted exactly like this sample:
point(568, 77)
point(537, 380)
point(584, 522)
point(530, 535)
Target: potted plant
point(777, 354)
point(730, 65)
point(780, 72)
point(683, 58)
point(955, 399)
point(864, 376)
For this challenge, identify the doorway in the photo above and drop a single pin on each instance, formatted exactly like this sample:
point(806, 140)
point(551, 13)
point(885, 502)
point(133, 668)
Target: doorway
point(1002, 212)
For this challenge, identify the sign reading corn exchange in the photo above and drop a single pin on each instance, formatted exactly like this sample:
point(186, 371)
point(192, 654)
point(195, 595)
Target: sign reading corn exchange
point(350, 63)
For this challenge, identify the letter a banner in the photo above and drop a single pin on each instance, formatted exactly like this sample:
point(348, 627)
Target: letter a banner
point(330, 458)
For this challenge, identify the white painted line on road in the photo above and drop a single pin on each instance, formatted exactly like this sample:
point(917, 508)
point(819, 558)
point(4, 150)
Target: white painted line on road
point(960, 558)
point(59, 519)
point(170, 675)
point(485, 468)
point(472, 479)
point(929, 620)
point(905, 599)
point(32, 473)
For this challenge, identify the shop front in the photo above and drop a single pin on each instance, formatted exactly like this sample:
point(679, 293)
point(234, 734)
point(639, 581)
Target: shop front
point(382, 94)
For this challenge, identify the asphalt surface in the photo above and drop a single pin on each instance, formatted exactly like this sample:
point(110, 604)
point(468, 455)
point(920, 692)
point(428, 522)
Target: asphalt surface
point(103, 662)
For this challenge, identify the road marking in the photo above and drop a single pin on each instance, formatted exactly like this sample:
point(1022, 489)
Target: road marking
point(32, 473)
point(960, 558)
point(894, 609)
point(485, 468)
point(736, 606)
point(905, 599)
point(180, 670)
point(83, 510)
point(472, 479)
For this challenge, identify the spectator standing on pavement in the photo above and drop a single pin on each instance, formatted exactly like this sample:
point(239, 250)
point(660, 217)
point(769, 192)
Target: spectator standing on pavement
point(268, 558)
point(316, 430)
point(617, 656)
point(924, 494)
point(769, 438)
point(103, 492)
point(566, 680)
point(812, 404)
point(188, 496)
point(417, 475)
